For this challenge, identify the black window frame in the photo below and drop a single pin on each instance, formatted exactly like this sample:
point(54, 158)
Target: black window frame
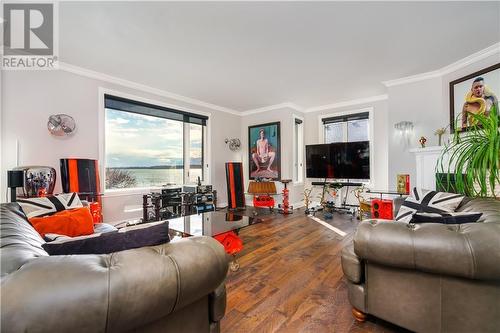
point(133, 106)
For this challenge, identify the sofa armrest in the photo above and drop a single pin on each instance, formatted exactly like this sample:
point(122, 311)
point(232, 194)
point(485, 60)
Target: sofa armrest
point(469, 250)
point(351, 264)
point(218, 303)
point(112, 293)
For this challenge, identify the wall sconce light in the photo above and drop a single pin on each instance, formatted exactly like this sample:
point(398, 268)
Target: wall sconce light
point(405, 128)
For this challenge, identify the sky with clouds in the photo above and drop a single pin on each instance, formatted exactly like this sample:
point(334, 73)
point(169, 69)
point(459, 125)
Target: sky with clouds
point(135, 140)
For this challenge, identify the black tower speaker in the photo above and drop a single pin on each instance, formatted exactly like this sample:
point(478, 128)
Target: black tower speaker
point(235, 186)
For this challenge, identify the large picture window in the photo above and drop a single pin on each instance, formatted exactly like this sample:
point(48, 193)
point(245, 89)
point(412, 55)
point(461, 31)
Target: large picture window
point(149, 146)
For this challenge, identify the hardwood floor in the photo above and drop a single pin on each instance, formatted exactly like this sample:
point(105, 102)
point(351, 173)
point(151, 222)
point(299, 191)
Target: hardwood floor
point(291, 280)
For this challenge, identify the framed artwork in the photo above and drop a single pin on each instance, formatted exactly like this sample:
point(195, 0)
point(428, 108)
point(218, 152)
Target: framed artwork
point(264, 151)
point(475, 93)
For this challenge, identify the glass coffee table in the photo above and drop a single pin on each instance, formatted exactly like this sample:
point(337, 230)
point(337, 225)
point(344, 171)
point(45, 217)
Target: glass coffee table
point(222, 226)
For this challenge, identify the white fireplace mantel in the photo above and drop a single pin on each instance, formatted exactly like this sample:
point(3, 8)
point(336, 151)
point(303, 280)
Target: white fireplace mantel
point(426, 159)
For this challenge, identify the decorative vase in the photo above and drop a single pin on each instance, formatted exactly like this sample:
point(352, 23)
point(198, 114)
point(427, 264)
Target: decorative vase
point(39, 181)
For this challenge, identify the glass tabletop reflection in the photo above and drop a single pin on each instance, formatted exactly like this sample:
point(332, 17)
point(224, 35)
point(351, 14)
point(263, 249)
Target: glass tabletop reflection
point(210, 224)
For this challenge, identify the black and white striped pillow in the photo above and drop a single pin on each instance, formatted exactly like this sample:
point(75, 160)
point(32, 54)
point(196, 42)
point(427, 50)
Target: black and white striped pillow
point(43, 206)
point(429, 202)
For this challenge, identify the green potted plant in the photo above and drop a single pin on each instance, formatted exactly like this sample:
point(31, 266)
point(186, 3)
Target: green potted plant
point(472, 158)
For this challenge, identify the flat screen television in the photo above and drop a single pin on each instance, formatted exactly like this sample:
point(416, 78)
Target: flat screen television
point(345, 160)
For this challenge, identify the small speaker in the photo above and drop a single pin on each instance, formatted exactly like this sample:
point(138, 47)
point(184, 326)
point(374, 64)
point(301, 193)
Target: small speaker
point(382, 209)
point(15, 178)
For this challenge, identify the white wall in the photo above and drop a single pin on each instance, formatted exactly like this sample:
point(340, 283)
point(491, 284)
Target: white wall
point(426, 103)
point(29, 97)
point(285, 116)
point(421, 103)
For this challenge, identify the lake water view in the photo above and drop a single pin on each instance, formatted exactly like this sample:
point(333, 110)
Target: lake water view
point(145, 177)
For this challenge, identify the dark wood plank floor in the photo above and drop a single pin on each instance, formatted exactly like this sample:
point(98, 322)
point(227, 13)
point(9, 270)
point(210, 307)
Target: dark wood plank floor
point(291, 280)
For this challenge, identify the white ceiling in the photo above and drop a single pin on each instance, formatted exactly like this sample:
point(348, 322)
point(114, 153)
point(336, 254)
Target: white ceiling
point(246, 55)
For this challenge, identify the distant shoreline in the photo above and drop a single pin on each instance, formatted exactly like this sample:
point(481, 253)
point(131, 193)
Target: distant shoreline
point(158, 167)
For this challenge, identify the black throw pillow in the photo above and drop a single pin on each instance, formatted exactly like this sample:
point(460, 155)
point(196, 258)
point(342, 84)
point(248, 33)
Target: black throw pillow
point(100, 243)
point(446, 218)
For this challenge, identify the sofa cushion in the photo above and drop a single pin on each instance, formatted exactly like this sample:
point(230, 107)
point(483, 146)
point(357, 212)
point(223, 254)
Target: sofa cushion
point(446, 218)
point(100, 243)
point(428, 201)
point(43, 206)
point(104, 227)
point(72, 222)
point(490, 208)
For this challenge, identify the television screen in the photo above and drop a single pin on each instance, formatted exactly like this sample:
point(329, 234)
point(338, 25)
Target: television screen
point(346, 160)
point(357, 160)
point(318, 162)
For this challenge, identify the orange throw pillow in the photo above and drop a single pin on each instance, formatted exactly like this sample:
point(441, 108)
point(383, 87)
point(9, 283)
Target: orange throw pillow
point(72, 223)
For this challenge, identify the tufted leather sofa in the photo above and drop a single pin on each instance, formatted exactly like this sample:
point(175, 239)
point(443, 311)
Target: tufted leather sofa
point(428, 277)
point(174, 287)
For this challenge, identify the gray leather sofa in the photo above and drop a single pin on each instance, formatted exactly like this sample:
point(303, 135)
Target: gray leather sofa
point(430, 277)
point(174, 287)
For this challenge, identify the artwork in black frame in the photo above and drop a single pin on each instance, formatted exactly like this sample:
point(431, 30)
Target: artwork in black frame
point(264, 151)
point(477, 93)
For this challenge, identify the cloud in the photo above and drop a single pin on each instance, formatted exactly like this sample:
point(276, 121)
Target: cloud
point(138, 140)
point(119, 121)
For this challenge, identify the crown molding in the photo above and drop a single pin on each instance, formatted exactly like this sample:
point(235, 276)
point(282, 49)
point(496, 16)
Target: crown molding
point(480, 55)
point(487, 52)
point(347, 103)
point(273, 107)
point(475, 57)
point(142, 87)
point(412, 78)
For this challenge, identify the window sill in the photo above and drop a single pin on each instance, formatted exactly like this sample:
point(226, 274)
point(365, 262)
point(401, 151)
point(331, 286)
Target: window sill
point(129, 191)
point(119, 192)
